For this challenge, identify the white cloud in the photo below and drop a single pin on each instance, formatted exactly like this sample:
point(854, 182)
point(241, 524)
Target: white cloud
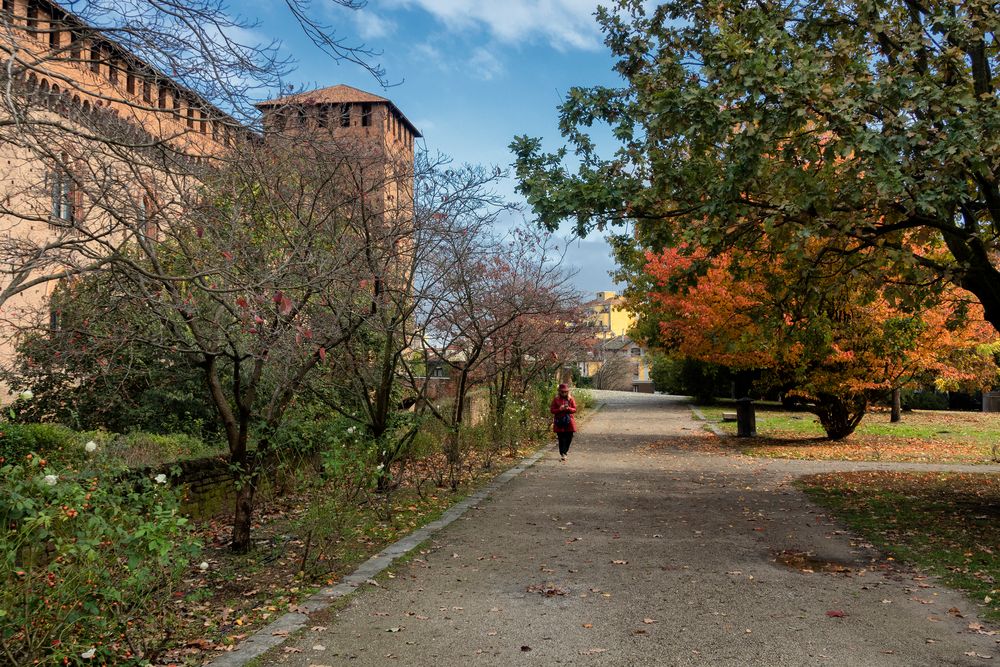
point(565, 24)
point(429, 54)
point(372, 26)
point(484, 65)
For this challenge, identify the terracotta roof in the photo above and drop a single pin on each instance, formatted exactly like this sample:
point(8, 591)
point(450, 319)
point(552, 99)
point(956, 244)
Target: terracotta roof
point(339, 94)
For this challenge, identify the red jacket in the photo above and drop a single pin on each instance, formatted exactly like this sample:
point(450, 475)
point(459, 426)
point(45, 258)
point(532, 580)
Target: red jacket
point(563, 406)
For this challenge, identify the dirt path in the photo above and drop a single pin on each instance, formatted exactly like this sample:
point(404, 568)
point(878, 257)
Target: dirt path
point(630, 554)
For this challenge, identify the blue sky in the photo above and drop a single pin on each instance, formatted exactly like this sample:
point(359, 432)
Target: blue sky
point(470, 74)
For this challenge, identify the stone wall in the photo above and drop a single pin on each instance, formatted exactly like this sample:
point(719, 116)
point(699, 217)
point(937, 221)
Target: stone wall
point(208, 483)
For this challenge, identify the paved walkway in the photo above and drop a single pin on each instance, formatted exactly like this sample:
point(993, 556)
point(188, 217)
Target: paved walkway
point(635, 555)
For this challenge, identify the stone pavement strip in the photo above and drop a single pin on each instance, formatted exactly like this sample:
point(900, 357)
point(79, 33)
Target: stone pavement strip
point(635, 553)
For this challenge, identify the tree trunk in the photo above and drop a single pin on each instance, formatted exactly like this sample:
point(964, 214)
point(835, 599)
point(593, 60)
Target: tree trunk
point(840, 415)
point(243, 516)
point(895, 416)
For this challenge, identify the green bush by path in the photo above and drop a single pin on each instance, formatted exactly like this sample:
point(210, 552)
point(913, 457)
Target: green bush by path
point(88, 565)
point(64, 446)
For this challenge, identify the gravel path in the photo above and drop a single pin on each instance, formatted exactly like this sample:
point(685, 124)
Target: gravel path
point(632, 554)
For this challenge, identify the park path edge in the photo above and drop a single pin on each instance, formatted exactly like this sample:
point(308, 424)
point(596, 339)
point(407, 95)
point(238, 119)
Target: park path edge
point(278, 631)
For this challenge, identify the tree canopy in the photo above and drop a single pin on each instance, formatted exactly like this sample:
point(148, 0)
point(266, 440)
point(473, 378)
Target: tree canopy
point(869, 127)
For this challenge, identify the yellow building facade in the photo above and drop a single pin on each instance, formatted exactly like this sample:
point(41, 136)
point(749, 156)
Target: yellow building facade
point(611, 321)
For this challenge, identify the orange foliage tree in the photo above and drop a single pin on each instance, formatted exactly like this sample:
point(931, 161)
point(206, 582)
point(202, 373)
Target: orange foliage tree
point(835, 343)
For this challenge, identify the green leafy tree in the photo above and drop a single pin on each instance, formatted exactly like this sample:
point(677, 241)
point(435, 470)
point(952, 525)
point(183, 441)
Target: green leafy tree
point(116, 384)
point(865, 125)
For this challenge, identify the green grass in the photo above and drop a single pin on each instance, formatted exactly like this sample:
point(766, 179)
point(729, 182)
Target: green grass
point(925, 436)
point(945, 524)
point(930, 424)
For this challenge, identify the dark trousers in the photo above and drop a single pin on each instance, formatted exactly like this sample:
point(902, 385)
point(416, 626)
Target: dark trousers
point(564, 440)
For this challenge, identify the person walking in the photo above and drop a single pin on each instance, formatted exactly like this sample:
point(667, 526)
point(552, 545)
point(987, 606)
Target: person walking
point(563, 408)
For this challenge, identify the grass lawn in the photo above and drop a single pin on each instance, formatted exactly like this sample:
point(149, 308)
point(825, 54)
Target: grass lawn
point(924, 436)
point(946, 524)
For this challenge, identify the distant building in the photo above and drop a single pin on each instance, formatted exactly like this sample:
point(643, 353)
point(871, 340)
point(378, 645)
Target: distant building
point(611, 321)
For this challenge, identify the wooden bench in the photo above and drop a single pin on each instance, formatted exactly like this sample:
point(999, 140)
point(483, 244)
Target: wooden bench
point(728, 416)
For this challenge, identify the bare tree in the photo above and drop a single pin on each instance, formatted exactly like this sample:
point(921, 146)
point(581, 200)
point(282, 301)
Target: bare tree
point(101, 107)
point(404, 249)
point(493, 283)
point(256, 279)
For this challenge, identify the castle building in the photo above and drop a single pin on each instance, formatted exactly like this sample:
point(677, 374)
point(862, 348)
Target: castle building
point(101, 140)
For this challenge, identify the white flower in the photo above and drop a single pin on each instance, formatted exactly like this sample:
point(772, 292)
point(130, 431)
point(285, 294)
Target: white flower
point(203, 567)
point(379, 466)
point(91, 446)
point(27, 395)
point(51, 479)
point(160, 479)
point(88, 654)
point(350, 429)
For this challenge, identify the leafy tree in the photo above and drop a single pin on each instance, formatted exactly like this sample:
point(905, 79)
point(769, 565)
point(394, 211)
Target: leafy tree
point(834, 346)
point(116, 385)
point(865, 125)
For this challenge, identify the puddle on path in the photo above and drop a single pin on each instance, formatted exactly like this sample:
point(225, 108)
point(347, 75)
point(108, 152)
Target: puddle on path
point(806, 561)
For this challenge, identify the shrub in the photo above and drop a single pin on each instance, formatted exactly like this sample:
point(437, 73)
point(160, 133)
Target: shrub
point(88, 564)
point(144, 449)
point(47, 440)
point(925, 399)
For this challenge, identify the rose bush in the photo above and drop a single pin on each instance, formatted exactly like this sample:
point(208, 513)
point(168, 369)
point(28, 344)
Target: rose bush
point(88, 564)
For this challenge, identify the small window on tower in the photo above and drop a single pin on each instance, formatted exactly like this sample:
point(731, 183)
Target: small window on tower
point(345, 115)
point(65, 198)
point(366, 115)
point(322, 115)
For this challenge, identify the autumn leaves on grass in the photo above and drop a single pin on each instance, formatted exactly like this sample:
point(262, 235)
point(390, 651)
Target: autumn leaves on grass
point(944, 523)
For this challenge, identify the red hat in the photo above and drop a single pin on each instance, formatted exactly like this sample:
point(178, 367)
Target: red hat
point(563, 387)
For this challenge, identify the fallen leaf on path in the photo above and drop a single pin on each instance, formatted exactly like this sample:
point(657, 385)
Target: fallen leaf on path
point(590, 625)
point(593, 651)
point(548, 590)
point(649, 621)
point(525, 648)
point(836, 613)
point(619, 562)
point(292, 649)
point(394, 629)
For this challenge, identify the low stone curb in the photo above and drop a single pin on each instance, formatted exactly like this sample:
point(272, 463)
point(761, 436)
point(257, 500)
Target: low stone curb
point(278, 631)
point(712, 426)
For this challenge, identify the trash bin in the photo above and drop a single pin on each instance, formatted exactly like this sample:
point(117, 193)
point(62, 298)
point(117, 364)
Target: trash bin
point(991, 401)
point(746, 419)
